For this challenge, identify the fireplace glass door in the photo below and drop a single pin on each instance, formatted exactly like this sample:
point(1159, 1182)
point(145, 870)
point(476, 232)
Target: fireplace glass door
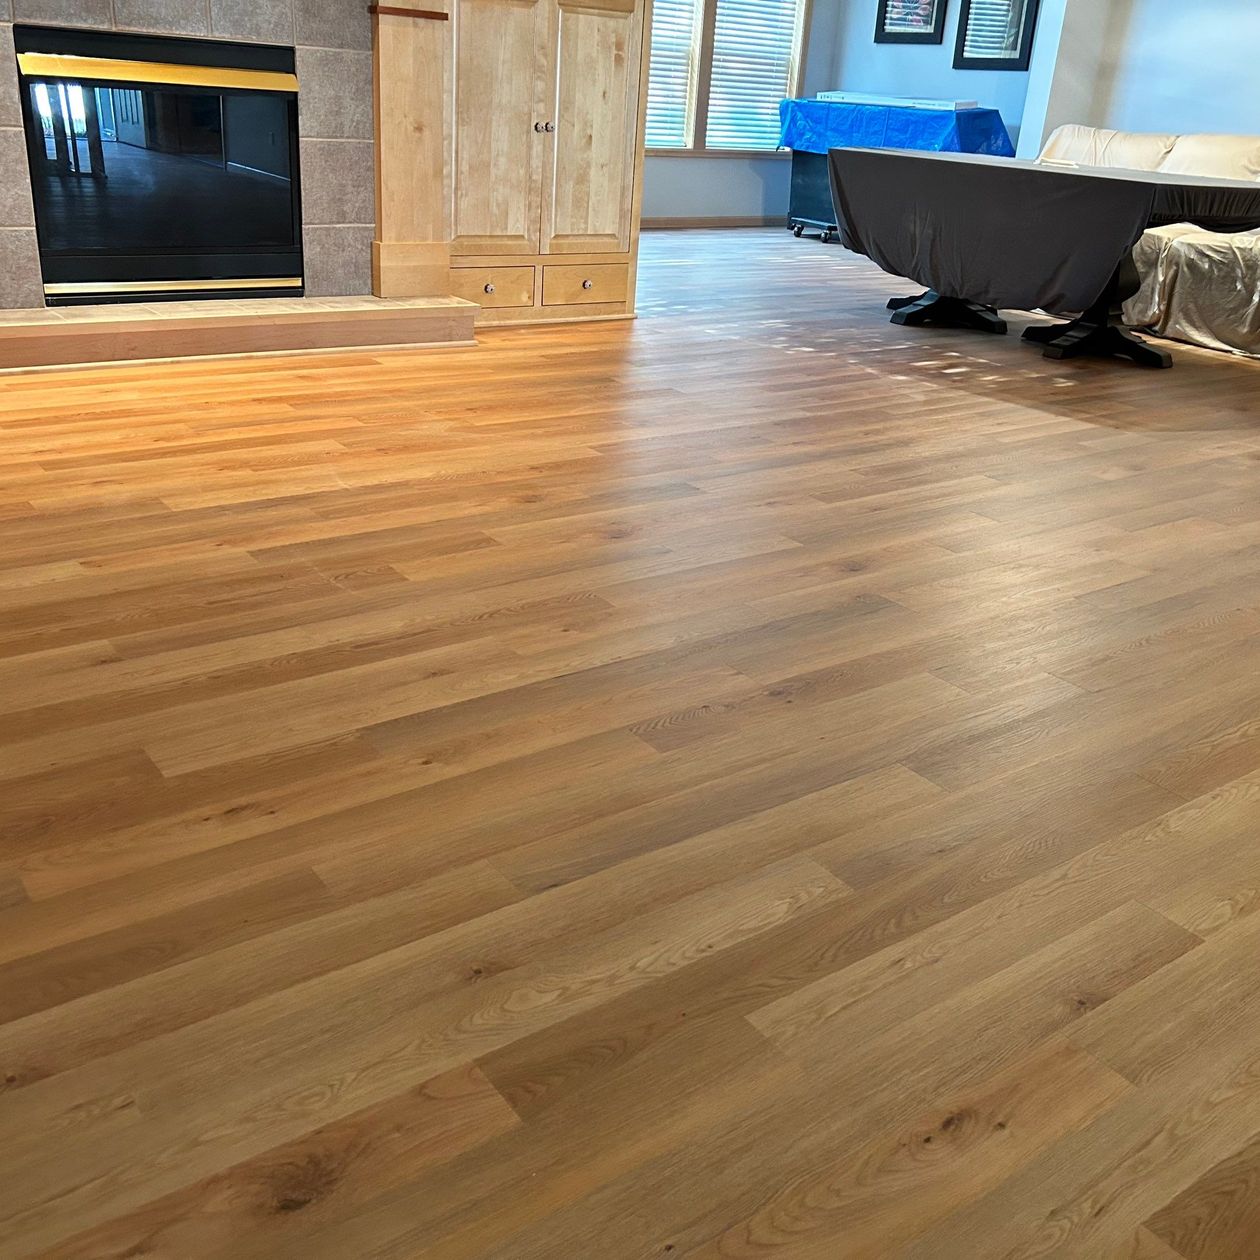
point(157, 189)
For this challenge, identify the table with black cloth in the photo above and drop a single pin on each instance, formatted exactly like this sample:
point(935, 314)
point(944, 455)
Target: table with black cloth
point(982, 233)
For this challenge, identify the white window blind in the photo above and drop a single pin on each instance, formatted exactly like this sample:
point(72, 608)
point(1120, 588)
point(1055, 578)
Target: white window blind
point(755, 47)
point(995, 28)
point(673, 73)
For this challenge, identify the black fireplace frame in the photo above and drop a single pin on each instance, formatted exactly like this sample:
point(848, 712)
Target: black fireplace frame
point(176, 274)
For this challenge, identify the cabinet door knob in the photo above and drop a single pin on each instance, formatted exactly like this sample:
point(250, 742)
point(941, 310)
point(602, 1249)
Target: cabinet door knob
point(540, 127)
point(489, 288)
point(549, 127)
point(588, 284)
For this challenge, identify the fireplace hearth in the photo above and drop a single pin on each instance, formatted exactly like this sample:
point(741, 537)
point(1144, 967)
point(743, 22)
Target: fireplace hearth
point(161, 168)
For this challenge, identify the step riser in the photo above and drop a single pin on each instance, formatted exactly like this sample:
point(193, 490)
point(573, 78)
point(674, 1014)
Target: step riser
point(97, 335)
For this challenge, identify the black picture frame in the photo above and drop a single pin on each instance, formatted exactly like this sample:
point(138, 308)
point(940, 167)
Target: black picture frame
point(1022, 58)
point(933, 31)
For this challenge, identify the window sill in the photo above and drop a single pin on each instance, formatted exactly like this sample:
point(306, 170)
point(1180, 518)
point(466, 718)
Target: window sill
point(719, 153)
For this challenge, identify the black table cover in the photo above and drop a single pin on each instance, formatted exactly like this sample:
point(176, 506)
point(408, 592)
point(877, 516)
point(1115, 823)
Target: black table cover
point(1007, 233)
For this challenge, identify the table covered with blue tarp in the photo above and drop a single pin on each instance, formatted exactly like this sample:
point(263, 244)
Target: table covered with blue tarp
point(811, 126)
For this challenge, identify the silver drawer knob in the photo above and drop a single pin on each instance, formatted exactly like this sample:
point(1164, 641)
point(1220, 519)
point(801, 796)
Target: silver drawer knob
point(540, 127)
point(588, 284)
point(549, 127)
point(489, 288)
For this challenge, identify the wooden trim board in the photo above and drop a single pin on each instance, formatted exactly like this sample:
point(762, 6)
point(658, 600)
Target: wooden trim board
point(389, 10)
point(640, 154)
point(779, 155)
point(527, 317)
point(86, 334)
point(313, 352)
point(412, 72)
point(666, 224)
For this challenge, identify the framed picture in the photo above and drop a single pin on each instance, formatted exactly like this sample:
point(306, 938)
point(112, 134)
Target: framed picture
point(911, 22)
point(996, 34)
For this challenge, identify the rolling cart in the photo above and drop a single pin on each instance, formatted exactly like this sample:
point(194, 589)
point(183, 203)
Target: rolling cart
point(811, 206)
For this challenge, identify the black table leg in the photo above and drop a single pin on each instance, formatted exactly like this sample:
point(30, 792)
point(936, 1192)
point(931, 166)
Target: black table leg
point(895, 304)
point(945, 312)
point(1102, 330)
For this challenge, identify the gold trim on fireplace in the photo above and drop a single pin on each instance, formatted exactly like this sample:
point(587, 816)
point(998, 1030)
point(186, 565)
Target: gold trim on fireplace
point(102, 287)
point(57, 66)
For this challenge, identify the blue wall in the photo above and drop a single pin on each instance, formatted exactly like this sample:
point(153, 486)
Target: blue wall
point(861, 65)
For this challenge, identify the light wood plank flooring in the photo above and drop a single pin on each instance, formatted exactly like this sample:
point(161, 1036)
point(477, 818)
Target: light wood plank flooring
point(757, 782)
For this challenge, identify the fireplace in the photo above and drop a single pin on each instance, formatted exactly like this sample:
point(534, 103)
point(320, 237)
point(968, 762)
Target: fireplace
point(161, 168)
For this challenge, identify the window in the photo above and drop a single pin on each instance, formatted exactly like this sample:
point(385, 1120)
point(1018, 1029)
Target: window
point(672, 75)
point(719, 69)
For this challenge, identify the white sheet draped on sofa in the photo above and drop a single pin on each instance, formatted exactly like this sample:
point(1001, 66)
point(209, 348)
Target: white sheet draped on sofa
point(1199, 287)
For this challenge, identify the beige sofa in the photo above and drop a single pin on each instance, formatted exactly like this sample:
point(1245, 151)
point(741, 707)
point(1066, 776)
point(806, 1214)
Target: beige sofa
point(1200, 287)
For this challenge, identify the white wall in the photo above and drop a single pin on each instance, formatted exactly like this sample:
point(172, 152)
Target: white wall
point(715, 188)
point(1186, 67)
point(1073, 66)
point(1146, 65)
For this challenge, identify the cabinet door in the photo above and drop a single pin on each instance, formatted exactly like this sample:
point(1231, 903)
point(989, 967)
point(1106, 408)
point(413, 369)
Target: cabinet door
point(502, 72)
point(590, 186)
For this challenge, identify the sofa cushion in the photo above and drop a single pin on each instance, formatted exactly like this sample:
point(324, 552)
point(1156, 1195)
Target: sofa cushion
point(1216, 156)
point(1174, 231)
point(1098, 146)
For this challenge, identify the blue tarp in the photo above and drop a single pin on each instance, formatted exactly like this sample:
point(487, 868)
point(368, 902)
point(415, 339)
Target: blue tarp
point(816, 126)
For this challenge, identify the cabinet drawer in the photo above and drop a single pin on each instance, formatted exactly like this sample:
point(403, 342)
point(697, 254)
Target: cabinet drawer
point(570, 285)
point(494, 286)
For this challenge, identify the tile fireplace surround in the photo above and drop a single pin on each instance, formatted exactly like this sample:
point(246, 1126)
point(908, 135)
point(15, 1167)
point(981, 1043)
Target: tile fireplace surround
point(334, 65)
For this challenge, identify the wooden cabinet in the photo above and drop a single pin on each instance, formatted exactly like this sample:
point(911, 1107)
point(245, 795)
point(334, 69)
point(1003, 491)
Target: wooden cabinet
point(494, 287)
point(509, 154)
point(598, 47)
point(546, 149)
point(575, 285)
point(499, 160)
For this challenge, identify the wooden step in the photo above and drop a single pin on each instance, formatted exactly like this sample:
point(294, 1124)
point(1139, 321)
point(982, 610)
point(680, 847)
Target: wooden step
point(175, 330)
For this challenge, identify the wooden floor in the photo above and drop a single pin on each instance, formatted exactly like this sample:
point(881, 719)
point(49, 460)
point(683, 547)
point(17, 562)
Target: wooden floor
point(757, 782)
